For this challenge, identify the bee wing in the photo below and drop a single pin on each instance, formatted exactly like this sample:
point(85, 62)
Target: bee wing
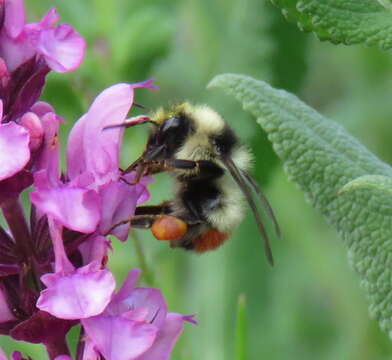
point(243, 185)
point(263, 199)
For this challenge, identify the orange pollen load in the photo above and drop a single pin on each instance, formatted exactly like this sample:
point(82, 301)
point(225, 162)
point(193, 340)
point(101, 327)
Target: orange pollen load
point(168, 227)
point(210, 240)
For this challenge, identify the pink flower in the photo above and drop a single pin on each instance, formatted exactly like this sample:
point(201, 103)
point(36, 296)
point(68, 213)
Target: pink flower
point(27, 53)
point(21, 147)
point(58, 45)
point(14, 139)
point(77, 294)
point(93, 178)
point(135, 324)
point(66, 207)
point(93, 175)
point(53, 272)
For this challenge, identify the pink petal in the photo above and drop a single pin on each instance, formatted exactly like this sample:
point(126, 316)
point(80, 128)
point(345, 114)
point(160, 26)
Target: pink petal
point(62, 47)
point(142, 193)
point(81, 294)
point(94, 249)
point(4, 80)
point(128, 285)
point(75, 208)
point(118, 338)
point(166, 338)
point(14, 17)
point(63, 357)
point(40, 108)
point(146, 84)
point(16, 51)
point(90, 147)
point(146, 298)
point(2, 355)
point(49, 156)
point(14, 149)
point(76, 158)
point(90, 352)
point(50, 19)
point(32, 123)
point(120, 200)
point(17, 355)
point(100, 148)
point(62, 263)
point(131, 298)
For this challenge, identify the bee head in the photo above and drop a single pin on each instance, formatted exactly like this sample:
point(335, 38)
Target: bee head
point(188, 131)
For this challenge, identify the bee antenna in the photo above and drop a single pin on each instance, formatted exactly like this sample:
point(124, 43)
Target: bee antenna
point(142, 106)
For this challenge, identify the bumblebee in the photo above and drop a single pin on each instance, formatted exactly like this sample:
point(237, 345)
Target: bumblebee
point(212, 183)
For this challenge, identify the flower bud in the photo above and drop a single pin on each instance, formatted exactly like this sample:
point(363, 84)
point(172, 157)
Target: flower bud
point(32, 123)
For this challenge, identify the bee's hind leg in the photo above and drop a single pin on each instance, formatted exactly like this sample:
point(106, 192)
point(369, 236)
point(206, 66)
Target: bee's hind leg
point(159, 219)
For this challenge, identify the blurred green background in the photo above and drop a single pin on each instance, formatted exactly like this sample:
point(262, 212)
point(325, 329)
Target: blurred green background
point(309, 305)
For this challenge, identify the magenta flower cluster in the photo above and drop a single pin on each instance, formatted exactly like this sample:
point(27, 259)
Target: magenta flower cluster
point(53, 272)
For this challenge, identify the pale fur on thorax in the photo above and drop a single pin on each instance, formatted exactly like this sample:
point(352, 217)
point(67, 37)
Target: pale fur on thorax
point(207, 122)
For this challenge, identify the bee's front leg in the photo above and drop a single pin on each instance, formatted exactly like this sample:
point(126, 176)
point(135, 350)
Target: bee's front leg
point(203, 168)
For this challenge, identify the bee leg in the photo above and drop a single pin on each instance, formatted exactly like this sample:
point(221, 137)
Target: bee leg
point(137, 221)
point(143, 221)
point(133, 166)
point(146, 215)
point(140, 171)
point(205, 169)
point(163, 208)
point(163, 227)
point(180, 164)
point(151, 167)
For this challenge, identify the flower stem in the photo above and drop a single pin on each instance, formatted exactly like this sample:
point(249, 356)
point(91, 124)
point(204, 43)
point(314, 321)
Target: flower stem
point(15, 217)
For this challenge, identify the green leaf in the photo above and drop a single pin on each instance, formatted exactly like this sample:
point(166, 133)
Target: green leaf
point(343, 21)
point(304, 21)
point(378, 183)
point(289, 56)
point(321, 157)
point(241, 333)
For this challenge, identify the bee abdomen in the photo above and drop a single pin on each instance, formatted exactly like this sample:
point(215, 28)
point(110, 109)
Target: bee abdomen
point(209, 240)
